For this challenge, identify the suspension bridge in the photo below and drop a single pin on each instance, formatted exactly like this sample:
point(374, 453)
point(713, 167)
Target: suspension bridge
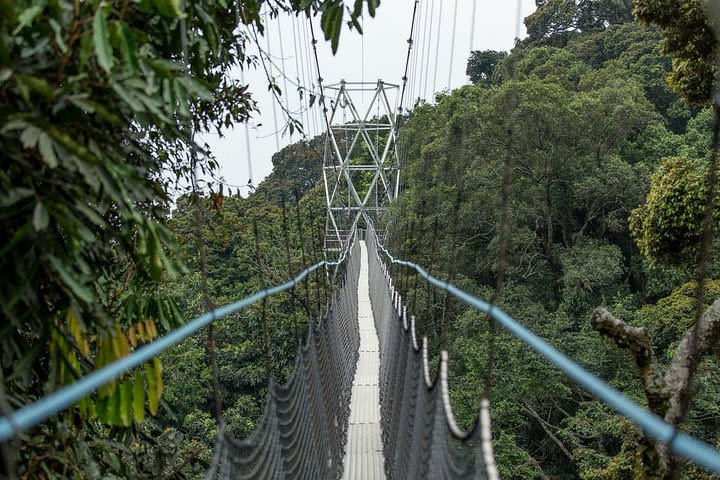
point(361, 401)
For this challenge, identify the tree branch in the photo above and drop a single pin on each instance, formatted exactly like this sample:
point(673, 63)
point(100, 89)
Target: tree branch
point(544, 426)
point(700, 338)
point(638, 341)
point(667, 395)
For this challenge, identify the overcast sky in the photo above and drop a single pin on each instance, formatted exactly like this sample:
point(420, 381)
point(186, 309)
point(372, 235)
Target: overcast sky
point(378, 54)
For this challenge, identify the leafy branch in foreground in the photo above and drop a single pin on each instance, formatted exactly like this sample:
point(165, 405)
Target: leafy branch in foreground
point(96, 98)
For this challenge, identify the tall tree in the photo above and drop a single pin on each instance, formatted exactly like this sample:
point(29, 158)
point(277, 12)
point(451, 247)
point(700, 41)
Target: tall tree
point(559, 17)
point(688, 36)
point(482, 63)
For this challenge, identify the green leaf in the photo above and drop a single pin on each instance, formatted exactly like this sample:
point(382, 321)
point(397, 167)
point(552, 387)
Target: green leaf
point(139, 397)
point(354, 23)
point(168, 8)
point(372, 5)
point(113, 408)
point(127, 45)
point(126, 403)
point(357, 8)
point(157, 363)
point(86, 49)
point(37, 84)
point(195, 88)
point(164, 67)
point(30, 137)
point(127, 97)
point(154, 106)
point(5, 73)
point(47, 150)
point(23, 89)
point(161, 315)
point(154, 388)
point(101, 409)
point(57, 28)
point(101, 37)
point(82, 102)
point(40, 217)
point(15, 195)
point(90, 213)
point(76, 286)
point(27, 16)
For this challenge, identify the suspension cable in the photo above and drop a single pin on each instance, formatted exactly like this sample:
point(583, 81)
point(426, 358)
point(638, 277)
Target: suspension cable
point(320, 79)
point(273, 94)
point(410, 77)
point(472, 26)
point(437, 49)
point(427, 33)
point(452, 45)
point(304, 43)
point(407, 57)
point(282, 60)
point(415, 55)
point(362, 55)
point(298, 62)
point(427, 58)
point(247, 140)
point(422, 64)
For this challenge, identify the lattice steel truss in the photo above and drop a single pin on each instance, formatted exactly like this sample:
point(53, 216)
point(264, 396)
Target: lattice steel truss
point(361, 163)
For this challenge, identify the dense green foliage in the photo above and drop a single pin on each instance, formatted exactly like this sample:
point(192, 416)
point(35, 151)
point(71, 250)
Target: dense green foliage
point(689, 37)
point(589, 130)
point(481, 65)
point(668, 227)
point(297, 168)
point(98, 100)
point(555, 20)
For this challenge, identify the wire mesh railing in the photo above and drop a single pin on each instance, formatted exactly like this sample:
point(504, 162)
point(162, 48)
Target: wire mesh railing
point(303, 431)
point(420, 436)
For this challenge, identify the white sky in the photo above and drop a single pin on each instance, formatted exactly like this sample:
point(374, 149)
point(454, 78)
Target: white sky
point(378, 54)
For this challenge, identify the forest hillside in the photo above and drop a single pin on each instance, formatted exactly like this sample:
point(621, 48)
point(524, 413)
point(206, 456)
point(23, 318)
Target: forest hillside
point(605, 168)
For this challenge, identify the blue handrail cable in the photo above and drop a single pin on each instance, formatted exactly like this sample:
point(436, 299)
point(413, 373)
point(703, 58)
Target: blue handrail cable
point(40, 410)
point(681, 444)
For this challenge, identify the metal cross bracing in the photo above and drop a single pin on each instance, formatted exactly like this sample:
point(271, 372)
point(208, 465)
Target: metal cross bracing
point(361, 166)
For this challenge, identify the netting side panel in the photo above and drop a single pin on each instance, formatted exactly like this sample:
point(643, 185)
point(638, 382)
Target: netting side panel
point(420, 439)
point(303, 431)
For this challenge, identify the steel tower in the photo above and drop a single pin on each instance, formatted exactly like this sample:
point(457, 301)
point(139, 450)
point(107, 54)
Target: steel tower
point(361, 166)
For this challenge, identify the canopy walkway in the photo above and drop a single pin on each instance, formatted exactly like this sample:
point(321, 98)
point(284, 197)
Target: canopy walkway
point(361, 403)
point(364, 457)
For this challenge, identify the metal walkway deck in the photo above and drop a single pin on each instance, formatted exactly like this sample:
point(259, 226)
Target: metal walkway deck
point(364, 456)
